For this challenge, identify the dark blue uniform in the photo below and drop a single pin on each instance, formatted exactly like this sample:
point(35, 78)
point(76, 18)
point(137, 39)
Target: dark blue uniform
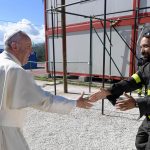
point(142, 77)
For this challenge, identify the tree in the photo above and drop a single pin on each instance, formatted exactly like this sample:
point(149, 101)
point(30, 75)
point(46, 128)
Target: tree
point(40, 51)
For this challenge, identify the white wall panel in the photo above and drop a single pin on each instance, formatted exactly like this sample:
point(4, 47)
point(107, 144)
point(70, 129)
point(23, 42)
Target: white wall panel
point(58, 54)
point(91, 8)
point(78, 47)
point(144, 3)
point(96, 7)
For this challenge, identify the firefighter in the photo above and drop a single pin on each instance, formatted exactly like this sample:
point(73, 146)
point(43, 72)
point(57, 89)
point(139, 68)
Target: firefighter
point(141, 77)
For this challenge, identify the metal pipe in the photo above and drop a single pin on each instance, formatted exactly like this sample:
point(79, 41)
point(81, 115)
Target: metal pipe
point(79, 2)
point(129, 18)
point(108, 53)
point(53, 52)
point(110, 50)
point(125, 42)
point(64, 48)
point(57, 19)
point(104, 41)
point(106, 33)
point(136, 13)
point(90, 58)
point(75, 14)
point(95, 17)
point(117, 12)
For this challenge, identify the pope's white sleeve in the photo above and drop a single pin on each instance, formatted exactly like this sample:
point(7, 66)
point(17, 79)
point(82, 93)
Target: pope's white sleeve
point(56, 104)
point(24, 92)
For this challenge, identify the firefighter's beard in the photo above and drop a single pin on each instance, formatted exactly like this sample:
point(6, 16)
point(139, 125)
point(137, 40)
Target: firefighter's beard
point(146, 55)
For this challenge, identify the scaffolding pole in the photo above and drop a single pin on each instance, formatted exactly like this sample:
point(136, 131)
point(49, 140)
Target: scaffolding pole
point(104, 41)
point(53, 44)
point(90, 58)
point(64, 48)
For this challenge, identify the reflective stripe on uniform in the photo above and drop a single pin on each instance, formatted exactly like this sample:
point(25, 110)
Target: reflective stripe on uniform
point(148, 92)
point(136, 78)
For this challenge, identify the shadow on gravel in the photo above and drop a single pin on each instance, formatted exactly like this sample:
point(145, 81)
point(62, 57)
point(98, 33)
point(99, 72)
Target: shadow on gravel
point(125, 115)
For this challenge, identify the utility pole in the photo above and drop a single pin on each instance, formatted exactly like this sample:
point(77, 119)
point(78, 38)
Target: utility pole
point(64, 49)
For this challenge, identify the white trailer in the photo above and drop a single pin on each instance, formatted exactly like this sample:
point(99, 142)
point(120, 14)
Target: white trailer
point(126, 20)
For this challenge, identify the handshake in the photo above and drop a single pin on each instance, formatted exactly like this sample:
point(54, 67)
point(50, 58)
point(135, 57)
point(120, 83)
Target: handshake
point(124, 104)
point(86, 102)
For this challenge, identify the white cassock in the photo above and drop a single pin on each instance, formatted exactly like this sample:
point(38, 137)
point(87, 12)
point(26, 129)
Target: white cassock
point(17, 91)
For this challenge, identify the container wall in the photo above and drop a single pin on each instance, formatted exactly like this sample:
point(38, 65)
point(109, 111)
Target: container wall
point(78, 48)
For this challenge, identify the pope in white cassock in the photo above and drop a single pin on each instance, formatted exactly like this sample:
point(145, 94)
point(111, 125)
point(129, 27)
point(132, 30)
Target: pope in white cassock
point(19, 90)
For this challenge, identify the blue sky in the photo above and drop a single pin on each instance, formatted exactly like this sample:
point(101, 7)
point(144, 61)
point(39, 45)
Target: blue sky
point(15, 10)
point(28, 15)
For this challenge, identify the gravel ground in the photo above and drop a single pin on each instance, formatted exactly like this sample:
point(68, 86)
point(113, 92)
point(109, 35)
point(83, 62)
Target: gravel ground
point(81, 129)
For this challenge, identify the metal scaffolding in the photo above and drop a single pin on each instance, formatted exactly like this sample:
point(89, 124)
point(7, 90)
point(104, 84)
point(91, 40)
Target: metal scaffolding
point(55, 9)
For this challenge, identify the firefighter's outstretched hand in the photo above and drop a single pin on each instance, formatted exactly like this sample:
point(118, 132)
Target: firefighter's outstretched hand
point(83, 102)
point(101, 94)
point(127, 103)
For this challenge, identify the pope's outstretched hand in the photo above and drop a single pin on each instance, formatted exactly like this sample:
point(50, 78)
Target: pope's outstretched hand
point(83, 102)
point(101, 94)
